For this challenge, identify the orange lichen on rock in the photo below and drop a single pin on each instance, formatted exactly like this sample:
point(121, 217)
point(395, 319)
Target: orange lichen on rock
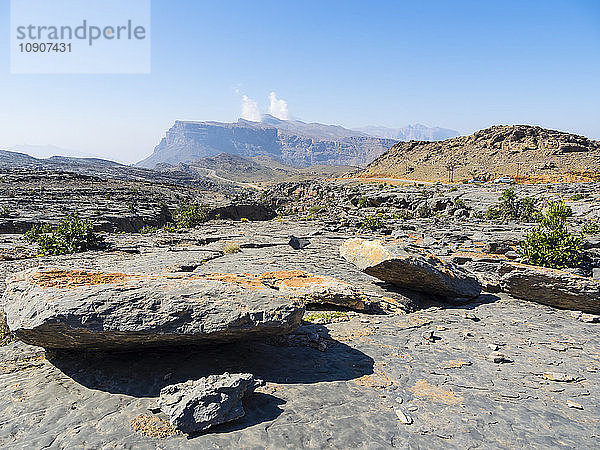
point(281, 278)
point(69, 279)
point(423, 388)
point(246, 280)
point(293, 278)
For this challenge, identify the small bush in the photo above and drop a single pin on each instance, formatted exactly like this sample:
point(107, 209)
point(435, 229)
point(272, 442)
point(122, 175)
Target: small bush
point(363, 201)
point(231, 247)
point(591, 227)
point(424, 210)
point(4, 331)
point(190, 215)
point(459, 203)
point(510, 207)
point(372, 223)
point(403, 214)
point(243, 219)
point(147, 229)
point(71, 235)
point(325, 317)
point(170, 228)
point(4, 211)
point(316, 209)
point(550, 244)
point(453, 189)
point(577, 197)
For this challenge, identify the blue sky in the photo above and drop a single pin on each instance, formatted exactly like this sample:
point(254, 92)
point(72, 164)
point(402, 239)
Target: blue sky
point(464, 65)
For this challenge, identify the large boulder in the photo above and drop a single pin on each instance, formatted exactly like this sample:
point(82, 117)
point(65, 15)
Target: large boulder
point(551, 287)
point(415, 271)
point(197, 405)
point(61, 308)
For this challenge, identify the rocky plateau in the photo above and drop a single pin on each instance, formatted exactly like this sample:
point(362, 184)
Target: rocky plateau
point(318, 314)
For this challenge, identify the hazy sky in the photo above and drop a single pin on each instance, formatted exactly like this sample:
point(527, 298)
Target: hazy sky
point(458, 64)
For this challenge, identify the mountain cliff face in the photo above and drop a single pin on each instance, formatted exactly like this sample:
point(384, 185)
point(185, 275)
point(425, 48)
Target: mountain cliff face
point(513, 150)
point(291, 142)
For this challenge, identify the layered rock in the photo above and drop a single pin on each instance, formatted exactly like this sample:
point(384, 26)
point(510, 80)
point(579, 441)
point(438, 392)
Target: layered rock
point(551, 287)
point(56, 308)
point(423, 273)
point(197, 405)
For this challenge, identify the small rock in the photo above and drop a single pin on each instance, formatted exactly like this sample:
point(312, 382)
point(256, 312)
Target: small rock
point(399, 400)
point(412, 408)
point(197, 405)
point(428, 335)
point(497, 358)
point(298, 243)
point(572, 404)
point(493, 347)
point(471, 316)
point(558, 376)
point(511, 254)
point(589, 318)
point(405, 419)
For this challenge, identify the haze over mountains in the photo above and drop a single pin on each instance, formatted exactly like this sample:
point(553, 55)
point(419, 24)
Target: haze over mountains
point(289, 141)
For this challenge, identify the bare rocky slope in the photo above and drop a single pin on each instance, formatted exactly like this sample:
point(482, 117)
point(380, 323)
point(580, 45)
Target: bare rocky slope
point(512, 150)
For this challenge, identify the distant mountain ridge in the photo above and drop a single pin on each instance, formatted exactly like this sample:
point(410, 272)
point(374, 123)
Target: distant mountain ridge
point(415, 132)
point(289, 141)
point(512, 150)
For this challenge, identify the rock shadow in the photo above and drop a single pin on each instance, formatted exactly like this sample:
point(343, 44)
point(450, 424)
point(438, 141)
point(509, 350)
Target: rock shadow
point(144, 373)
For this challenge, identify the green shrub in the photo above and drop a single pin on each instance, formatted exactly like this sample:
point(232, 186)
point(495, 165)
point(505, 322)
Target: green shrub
point(403, 214)
point(577, 197)
point(372, 223)
point(328, 316)
point(550, 244)
point(190, 215)
point(146, 229)
point(362, 202)
point(591, 227)
point(424, 210)
point(170, 228)
point(231, 247)
point(4, 211)
point(316, 209)
point(4, 331)
point(243, 219)
point(71, 235)
point(459, 203)
point(453, 189)
point(510, 207)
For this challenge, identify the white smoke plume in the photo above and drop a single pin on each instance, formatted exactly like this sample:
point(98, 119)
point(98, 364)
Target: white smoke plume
point(250, 109)
point(279, 107)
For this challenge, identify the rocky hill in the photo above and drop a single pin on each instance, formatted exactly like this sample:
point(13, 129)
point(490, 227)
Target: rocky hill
point(512, 150)
point(291, 142)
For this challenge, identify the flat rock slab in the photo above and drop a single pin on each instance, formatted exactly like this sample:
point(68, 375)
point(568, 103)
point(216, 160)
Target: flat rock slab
point(344, 397)
point(551, 287)
point(423, 273)
point(60, 308)
point(197, 405)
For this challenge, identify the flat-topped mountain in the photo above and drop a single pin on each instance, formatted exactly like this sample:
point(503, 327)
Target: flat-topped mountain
point(288, 141)
point(512, 150)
